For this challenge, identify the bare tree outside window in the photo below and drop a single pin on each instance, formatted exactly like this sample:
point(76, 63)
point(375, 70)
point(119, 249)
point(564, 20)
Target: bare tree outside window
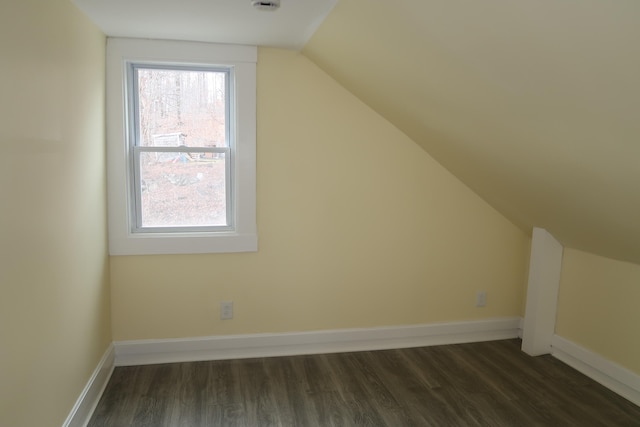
point(182, 143)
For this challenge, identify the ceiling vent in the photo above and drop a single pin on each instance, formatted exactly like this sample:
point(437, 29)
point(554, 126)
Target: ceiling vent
point(265, 4)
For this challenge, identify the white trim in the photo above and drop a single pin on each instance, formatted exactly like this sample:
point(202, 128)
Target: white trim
point(545, 268)
point(316, 342)
point(90, 396)
point(611, 375)
point(520, 327)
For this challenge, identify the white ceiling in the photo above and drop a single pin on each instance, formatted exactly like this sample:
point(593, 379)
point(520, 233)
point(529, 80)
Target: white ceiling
point(218, 21)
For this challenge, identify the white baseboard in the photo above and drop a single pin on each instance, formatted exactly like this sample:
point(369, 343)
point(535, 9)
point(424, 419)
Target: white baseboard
point(146, 352)
point(520, 326)
point(611, 375)
point(88, 400)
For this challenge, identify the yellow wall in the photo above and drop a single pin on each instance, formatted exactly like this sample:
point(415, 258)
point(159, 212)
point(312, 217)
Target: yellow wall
point(598, 306)
point(54, 296)
point(358, 227)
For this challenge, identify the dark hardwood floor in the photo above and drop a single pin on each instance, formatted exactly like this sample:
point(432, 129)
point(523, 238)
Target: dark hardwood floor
point(480, 384)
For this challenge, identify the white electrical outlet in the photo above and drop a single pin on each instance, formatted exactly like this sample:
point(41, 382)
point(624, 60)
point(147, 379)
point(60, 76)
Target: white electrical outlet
point(226, 310)
point(481, 299)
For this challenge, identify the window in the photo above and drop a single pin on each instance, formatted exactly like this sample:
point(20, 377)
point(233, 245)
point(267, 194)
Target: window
point(181, 147)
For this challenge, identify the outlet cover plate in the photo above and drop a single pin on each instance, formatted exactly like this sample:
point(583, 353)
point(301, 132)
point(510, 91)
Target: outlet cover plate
point(226, 310)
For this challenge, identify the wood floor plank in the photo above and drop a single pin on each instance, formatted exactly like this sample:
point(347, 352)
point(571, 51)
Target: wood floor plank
point(293, 407)
point(347, 374)
point(115, 407)
point(222, 389)
point(331, 408)
point(481, 384)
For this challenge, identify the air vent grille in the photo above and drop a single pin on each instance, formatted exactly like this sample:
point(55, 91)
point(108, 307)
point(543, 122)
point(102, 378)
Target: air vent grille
point(265, 4)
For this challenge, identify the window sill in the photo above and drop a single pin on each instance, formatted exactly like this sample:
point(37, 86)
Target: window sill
point(164, 244)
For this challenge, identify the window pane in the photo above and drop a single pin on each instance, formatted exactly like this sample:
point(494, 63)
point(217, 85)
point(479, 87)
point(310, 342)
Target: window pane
point(182, 107)
point(179, 189)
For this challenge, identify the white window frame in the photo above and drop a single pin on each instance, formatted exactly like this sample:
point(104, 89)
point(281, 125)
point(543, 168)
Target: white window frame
point(123, 240)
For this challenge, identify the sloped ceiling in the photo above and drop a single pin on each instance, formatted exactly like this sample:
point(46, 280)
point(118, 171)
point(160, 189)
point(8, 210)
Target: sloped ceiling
point(533, 104)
